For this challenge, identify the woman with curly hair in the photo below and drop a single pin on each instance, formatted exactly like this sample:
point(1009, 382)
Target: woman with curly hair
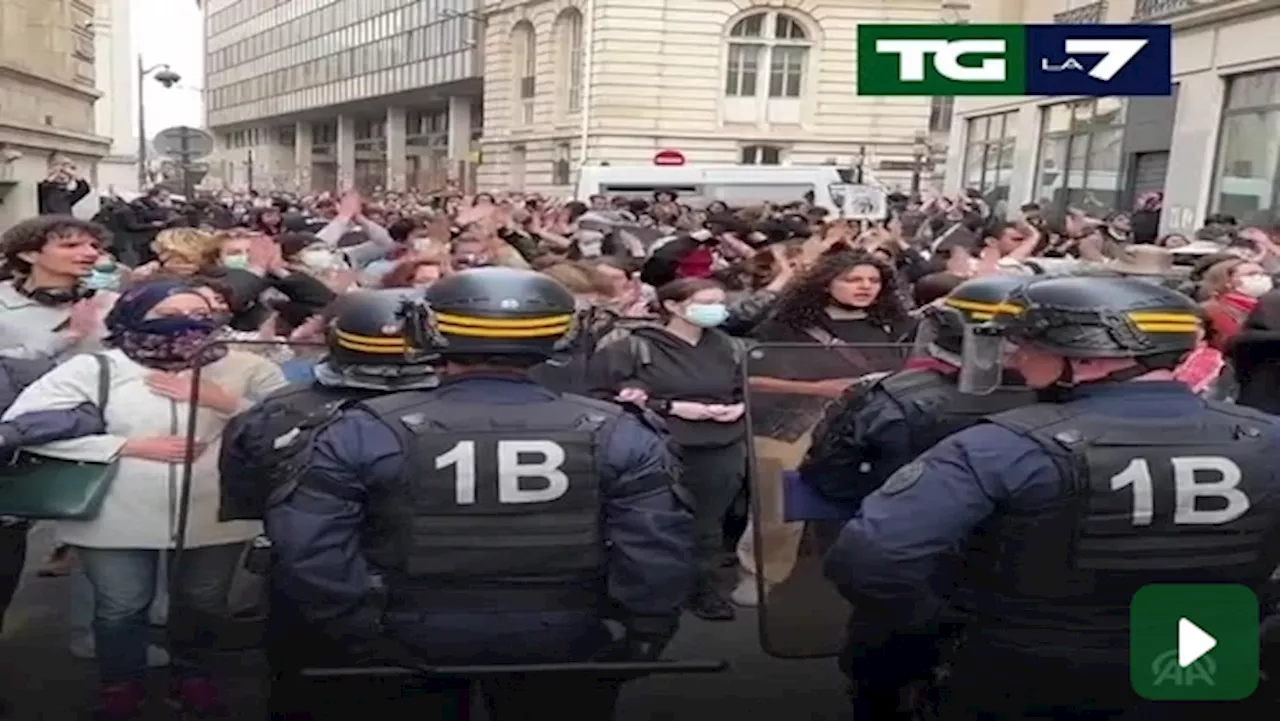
point(846, 297)
point(847, 310)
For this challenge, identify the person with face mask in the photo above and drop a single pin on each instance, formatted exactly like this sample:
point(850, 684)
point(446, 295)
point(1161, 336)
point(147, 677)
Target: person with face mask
point(691, 373)
point(157, 332)
point(1231, 289)
point(46, 308)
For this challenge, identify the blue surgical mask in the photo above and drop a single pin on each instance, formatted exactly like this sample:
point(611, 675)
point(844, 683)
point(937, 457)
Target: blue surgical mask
point(706, 315)
point(101, 280)
point(239, 261)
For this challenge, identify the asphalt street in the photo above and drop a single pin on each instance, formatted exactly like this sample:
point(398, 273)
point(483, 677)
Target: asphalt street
point(44, 682)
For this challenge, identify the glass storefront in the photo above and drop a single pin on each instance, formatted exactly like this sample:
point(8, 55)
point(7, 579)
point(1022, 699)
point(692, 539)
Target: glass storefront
point(1246, 179)
point(1080, 162)
point(988, 155)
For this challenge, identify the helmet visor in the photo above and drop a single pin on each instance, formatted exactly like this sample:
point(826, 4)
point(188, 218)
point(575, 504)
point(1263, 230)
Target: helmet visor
point(982, 360)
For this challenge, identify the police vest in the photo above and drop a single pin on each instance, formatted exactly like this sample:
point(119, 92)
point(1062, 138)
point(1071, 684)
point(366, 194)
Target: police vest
point(263, 447)
point(1178, 500)
point(935, 408)
point(498, 508)
point(932, 408)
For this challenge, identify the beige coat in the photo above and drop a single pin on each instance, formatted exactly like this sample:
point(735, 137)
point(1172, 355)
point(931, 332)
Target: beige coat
point(141, 507)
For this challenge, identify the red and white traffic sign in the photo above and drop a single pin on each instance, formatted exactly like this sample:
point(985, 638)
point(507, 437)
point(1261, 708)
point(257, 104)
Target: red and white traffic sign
point(668, 157)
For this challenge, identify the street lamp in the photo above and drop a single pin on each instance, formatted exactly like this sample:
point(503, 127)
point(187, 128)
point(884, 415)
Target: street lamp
point(165, 77)
point(920, 151)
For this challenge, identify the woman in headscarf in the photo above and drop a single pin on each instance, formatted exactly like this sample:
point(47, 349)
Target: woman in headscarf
point(157, 332)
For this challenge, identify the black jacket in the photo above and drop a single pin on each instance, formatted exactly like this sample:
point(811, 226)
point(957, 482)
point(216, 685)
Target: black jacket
point(59, 198)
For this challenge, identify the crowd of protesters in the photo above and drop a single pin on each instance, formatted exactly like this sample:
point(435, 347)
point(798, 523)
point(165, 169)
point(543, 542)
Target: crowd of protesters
point(689, 280)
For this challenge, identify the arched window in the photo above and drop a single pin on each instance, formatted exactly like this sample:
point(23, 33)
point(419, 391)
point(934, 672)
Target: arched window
point(768, 52)
point(524, 70)
point(568, 35)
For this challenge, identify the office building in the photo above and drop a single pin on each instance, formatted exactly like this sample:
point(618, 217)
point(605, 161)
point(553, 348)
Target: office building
point(1213, 146)
point(327, 94)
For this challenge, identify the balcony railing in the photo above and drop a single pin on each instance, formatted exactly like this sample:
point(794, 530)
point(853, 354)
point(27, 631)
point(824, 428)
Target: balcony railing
point(1090, 14)
point(1144, 9)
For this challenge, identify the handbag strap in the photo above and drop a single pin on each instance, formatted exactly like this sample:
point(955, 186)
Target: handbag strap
point(104, 381)
point(845, 351)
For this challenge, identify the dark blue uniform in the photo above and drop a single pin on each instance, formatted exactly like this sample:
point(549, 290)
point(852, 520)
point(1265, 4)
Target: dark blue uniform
point(1048, 619)
point(322, 569)
point(260, 445)
point(873, 431)
point(31, 429)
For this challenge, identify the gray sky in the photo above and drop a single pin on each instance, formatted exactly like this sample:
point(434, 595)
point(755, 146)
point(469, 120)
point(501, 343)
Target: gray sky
point(169, 31)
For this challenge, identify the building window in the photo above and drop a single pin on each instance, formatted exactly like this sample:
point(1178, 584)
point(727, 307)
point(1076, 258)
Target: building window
point(768, 55)
point(517, 167)
point(761, 155)
point(941, 109)
point(1246, 181)
point(1080, 160)
point(560, 167)
point(988, 155)
point(524, 63)
point(569, 62)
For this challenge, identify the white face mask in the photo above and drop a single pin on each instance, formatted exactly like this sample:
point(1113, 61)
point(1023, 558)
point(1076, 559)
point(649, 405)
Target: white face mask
point(1256, 285)
point(317, 259)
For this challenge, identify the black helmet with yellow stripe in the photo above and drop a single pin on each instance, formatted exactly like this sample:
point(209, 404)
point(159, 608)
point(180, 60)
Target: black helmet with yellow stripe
point(973, 301)
point(367, 329)
point(367, 345)
point(495, 312)
point(1095, 317)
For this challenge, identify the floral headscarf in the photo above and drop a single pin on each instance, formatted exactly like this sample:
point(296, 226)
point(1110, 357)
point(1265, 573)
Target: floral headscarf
point(172, 343)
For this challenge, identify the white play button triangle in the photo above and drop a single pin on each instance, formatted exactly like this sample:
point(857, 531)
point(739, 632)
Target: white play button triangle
point(1193, 643)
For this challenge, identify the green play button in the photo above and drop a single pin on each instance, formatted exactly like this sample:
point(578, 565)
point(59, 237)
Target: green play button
point(1193, 642)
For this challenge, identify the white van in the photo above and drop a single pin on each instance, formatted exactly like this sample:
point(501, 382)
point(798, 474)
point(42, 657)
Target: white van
point(698, 185)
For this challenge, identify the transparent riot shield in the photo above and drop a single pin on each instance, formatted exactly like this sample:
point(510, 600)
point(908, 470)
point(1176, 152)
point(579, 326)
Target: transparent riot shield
point(249, 370)
point(792, 526)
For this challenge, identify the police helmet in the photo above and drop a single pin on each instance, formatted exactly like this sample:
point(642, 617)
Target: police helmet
point(1087, 317)
point(973, 301)
point(493, 312)
point(367, 344)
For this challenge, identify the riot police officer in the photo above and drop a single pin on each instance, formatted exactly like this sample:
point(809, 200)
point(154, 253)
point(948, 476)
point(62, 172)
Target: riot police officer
point(1120, 479)
point(367, 356)
point(489, 521)
point(873, 431)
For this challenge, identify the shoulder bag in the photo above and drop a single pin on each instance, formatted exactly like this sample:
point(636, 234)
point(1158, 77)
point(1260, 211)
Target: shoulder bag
point(44, 488)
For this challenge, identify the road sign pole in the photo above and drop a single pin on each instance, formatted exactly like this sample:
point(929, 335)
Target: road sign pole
point(184, 157)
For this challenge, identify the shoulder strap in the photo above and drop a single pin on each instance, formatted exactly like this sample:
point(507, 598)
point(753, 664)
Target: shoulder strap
point(846, 351)
point(905, 382)
point(104, 380)
point(392, 403)
point(606, 407)
point(1029, 419)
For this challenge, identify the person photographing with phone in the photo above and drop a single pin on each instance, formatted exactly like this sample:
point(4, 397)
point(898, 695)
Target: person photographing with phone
point(59, 192)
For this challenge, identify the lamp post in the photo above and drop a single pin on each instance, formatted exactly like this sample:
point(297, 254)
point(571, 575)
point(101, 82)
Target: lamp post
point(165, 77)
point(920, 152)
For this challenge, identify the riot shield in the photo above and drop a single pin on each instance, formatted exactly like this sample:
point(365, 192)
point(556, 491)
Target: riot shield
point(792, 526)
point(250, 370)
